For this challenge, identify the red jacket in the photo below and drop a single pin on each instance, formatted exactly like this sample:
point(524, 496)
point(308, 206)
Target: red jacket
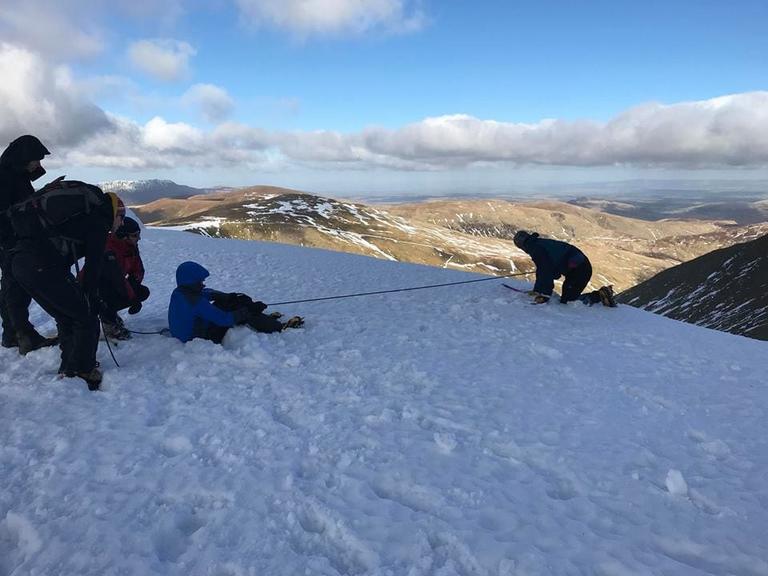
point(129, 259)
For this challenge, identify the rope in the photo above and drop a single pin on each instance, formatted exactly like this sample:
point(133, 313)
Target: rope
point(167, 330)
point(109, 346)
point(397, 290)
point(161, 331)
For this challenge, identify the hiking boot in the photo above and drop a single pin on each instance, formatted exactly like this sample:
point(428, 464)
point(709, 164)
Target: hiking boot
point(93, 378)
point(606, 296)
point(590, 298)
point(294, 322)
point(33, 340)
point(115, 330)
point(65, 371)
point(275, 315)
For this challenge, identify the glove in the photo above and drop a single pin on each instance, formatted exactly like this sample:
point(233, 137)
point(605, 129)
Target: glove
point(258, 307)
point(134, 308)
point(142, 292)
point(240, 298)
point(541, 299)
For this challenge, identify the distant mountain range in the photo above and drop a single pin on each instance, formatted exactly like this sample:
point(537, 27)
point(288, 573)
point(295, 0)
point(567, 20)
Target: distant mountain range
point(738, 210)
point(135, 192)
point(726, 289)
point(473, 235)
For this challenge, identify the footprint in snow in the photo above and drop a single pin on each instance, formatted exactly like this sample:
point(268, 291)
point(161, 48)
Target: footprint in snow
point(172, 538)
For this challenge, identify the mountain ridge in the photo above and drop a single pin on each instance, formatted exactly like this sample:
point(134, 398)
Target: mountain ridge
point(470, 235)
point(134, 192)
point(726, 289)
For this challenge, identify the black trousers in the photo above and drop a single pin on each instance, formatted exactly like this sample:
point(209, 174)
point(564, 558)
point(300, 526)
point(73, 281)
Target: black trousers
point(112, 290)
point(14, 300)
point(46, 276)
point(256, 320)
point(575, 281)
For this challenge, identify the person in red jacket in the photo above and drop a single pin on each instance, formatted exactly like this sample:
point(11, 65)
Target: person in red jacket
point(121, 278)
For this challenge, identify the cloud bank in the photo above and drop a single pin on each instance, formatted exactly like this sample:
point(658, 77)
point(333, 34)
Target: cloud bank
point(63, 30)
point(42, 99)
point(726, 131)
point(38, 98)
point(51, 27)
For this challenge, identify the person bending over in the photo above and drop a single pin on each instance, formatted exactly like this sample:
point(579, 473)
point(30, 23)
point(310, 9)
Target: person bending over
point(554, 259)
point(120, 283)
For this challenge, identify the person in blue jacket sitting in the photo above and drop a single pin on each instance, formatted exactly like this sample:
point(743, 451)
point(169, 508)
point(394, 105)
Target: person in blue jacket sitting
point(199, 312)
point(553, 259)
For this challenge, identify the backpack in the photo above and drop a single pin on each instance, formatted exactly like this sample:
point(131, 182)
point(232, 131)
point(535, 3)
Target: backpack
point(53, 205)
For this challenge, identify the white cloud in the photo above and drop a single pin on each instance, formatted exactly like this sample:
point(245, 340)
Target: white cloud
point(48, 101)
point(726, 131)
point(160, 144)
point(51, 27)
point(121, 147)
point(307, 17)
point(43, 100)
point(163, 59)
point(176, 137)
point(231, 136)
point(213, 101)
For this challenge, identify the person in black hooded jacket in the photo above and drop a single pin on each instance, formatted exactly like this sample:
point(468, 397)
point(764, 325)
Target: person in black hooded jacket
point(44, 270)
point(19, 167)
point(553, 259)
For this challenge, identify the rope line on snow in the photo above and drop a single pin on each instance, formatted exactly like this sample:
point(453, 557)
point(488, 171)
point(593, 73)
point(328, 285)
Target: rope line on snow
point(344, 296)
point(397, 290)
point(161, 331)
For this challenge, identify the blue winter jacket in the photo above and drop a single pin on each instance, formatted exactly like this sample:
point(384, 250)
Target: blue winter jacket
point(553, 258)
point(190, 311)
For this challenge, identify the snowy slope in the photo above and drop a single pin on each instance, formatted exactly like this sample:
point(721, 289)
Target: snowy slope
point(456, 431)
point(726, 289)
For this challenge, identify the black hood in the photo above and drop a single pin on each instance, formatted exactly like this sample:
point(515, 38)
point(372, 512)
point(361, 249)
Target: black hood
point(523, 239)
point(22, 151)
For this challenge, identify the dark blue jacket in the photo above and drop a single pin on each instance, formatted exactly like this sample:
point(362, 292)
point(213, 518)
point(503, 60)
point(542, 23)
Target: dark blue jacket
point(553, 258)
point(190, 312)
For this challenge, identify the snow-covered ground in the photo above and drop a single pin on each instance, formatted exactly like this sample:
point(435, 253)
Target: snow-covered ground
point(455, 431)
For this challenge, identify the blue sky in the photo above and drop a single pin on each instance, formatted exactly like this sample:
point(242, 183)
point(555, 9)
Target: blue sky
point(363, 93)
